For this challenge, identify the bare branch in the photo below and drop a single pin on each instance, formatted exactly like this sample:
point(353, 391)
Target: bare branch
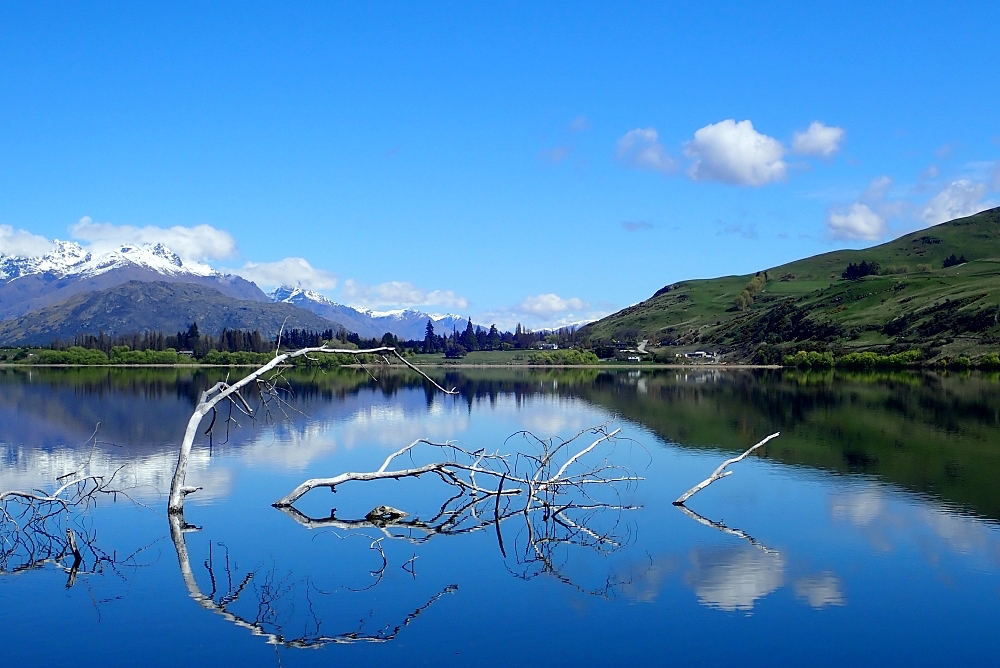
point(223, 391)
point(720, 472)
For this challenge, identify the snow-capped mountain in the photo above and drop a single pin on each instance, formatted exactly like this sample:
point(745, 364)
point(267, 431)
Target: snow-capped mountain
point(31, 283)
point(70, 259)
point(407, 324)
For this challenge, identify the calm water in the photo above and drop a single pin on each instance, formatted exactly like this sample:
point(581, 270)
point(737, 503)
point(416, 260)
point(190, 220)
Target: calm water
point(866, 533)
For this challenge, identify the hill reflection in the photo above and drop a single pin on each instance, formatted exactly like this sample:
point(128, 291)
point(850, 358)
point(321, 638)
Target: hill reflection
point(929, 433)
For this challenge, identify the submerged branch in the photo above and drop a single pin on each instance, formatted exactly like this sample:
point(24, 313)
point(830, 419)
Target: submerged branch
point(720, 472)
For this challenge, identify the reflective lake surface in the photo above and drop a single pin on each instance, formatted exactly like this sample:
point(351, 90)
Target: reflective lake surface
point(867, 532)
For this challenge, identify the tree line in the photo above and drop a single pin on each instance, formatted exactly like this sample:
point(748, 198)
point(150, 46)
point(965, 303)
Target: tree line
point(194, 343)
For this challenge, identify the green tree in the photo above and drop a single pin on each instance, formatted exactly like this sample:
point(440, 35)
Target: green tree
point(430, 340)
point(469, 340)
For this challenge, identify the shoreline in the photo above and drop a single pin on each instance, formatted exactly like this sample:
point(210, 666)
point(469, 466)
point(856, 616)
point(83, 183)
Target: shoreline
point(7, 365)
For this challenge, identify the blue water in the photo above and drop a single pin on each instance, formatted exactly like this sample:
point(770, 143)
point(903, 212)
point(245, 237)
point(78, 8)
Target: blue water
point(843, 568)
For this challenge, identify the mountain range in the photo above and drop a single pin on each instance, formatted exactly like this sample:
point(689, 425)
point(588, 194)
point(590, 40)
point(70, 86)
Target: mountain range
point(937, 289)
point(407, 324)
point(149, 287)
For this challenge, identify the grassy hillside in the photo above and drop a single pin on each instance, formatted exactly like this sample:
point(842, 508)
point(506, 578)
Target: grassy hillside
point(155, 306)
point(914, 301)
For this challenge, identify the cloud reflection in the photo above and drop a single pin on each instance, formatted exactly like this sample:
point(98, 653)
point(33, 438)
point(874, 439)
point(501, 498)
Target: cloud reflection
point(820, 590)
point(734, 578)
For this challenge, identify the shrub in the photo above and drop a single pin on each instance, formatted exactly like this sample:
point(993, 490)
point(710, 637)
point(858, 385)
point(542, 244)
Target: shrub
point(548, 357)
point(952, 261)
point(858, 271)
point(810, 360)
point(989, 361)
point(123, 355)
point(74, 355)
point(870, 360)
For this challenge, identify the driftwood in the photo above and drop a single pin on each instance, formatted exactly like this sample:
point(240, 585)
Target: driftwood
point(224, 391)
point(720, 472)
point(556, 497)
point(43, 528)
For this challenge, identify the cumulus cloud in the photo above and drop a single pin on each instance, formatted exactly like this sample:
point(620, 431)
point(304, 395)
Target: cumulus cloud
point(960, 198)
point(22, 243)
point(858, 222)
point(400, 293)
point(818, 139)
point(735, 153)
point(291, 271)
point(551, 303)
point(198, 243)
point(641, 148)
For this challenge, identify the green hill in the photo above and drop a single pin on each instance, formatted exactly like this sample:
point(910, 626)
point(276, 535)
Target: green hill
point(912, 301)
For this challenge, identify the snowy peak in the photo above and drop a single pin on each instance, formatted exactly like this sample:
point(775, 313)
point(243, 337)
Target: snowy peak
point(404, 323)
point(68, 258)
point(296, 295)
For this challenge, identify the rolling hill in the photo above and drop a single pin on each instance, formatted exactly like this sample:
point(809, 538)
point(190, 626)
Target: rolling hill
point(912, 300)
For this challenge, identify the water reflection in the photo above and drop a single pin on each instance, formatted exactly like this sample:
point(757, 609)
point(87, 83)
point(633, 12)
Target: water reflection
point(879, 496)
point(733, 578)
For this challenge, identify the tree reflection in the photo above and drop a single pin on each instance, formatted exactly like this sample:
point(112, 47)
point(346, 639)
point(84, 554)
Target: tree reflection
point(265, 595)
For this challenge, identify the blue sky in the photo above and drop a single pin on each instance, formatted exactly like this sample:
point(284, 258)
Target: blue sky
point(512, 162)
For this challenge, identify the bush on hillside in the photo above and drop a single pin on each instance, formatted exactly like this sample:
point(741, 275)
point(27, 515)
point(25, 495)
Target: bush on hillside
point(858, 271)
point(952, 261)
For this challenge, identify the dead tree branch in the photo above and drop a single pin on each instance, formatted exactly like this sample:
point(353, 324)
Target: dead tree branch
point(224, 391)
point(720, 472)
point(39, 527)
point(560, 494)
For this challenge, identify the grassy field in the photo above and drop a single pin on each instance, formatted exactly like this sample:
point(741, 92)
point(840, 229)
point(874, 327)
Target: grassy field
point(913, 302)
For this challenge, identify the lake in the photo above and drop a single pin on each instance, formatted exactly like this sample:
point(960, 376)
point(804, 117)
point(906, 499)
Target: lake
point(866, 533)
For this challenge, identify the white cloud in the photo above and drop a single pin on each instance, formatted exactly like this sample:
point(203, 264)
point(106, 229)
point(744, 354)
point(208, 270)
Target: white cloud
point(400, 293)
point(291, 271)
point(551, 303)
point(995, 177)
point(960, 198)
point(641, 148)
point(579, 124)
point(22, 242)
point(858, 222)
point(818, 139)
point(198, 243)
point(877, 189)
point(735, 153)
